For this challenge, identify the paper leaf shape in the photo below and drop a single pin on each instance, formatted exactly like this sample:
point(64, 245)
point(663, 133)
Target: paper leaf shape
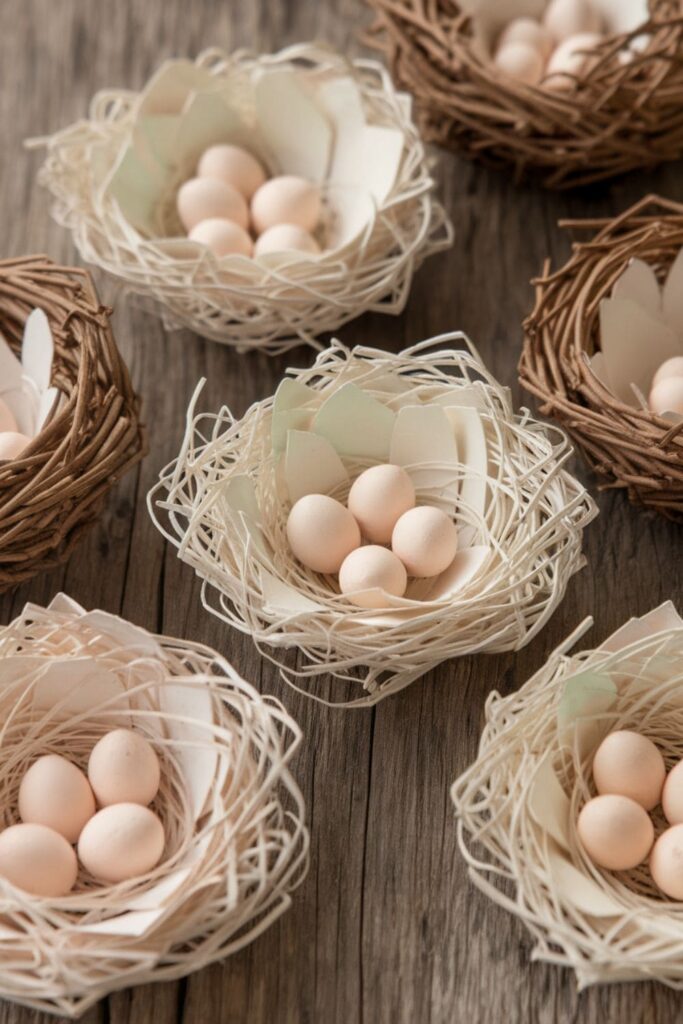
point(423, 443)
point(579, 890)
point(548, 803)
point(37, 350)
point(672, 298)
point(280, 596)
point(292, 405)
point(470, 437)
point(634, 344)
point(459, 573)
point(312, 466)
point(639, 284)
point(355, 424)
point(585, 695)
point(169, 88)
point(280, 102)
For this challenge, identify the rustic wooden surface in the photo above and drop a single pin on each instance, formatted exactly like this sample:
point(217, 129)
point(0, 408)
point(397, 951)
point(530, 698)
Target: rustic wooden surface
point(386, 928)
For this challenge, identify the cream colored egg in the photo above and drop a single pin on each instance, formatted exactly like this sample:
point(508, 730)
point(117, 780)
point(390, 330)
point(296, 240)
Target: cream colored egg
point(222, 237)
point(631, 765)
point(8, 424)
point(672, 795)
point(521, 61)
point(233, 165)
point(124, 768)
point(565, 18)
point(287, 199)
point(569, 61)
point(666, 862)
point(530, 31)
point(378, 498)
point(38, 860)
point(321, 532)
point(286, 238)
point(206, 198)
point(122, 841)
point(371, 572)
point(12, 444)
point(54, 792)
point(425, 539)
point(667, 396)
point(616, 832)
point(670, 368)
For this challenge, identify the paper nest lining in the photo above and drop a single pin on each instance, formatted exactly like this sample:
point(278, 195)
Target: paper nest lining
point(518, 804)
point(236, 844)
point(436, 411)
point(305, 110)
point(63, 378)
point(600, 327)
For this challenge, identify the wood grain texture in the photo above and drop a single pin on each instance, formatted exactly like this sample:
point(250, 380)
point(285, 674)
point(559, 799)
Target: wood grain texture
point(386, 928)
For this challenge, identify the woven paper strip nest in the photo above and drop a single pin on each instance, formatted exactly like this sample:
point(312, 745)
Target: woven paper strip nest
point(433, 409)
point(305, 110)
point(623, 112)
point(518, 804)
point(233, 816)
point(91, 436)
point(625, 443)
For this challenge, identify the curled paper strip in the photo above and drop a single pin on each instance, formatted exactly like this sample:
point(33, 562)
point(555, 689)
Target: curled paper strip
point(436, 411)
point(518, 804)
point(236, 844)
point(307, 111)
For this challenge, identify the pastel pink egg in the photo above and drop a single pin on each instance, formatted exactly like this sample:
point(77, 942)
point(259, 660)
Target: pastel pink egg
point(670, 368)
point(667, 396)
point(378, 498)
point(672, 795)
point(666, 862)
point(287, 199)
point(54, 792)
point(321, 532)
point(565, 18)
point(370, 572)
point(38, 860)
point(631, 765)
point(7, 420)
point(425, 539)
point(568, 62)
point(616, 832)
point(530, 31)
point(233, 165)
point(222, 237)
point(521, 61)
point(121, 841)
point(286, 238)
point(12, 444)
point(205, 198)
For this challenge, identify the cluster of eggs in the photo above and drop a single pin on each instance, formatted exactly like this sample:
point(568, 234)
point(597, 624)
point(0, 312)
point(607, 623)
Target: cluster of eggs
point(553, 49)
point(666, 391)
point(232, 207)
point(404, 539)
point(58, 808)
point(12, 441)
point(615, 827)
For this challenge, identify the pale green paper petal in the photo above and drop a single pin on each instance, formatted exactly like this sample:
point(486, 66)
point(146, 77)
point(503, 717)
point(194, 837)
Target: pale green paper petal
point(423, 443)
point(281, 102)
point(312, 466)
point(639, 284)
point(355, 424)
point(548, 803)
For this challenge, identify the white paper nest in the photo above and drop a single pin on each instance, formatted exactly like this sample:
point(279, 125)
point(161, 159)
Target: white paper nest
point(518, 804)
point(434, 410)
point(305, 110)
point(236, 844)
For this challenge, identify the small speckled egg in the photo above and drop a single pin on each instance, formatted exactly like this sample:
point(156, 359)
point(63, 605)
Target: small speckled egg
point(7, 420)
point(206, 198)
point(12, 444)
point(378, 498)
point(38, 860)
point(521, 61)
point(222, 237)
point(370, 572)
point(631, 765)
point(55, 793)
point(120, 842)
point(670, 368)
point(616, 832)
point(530, 31)
point(286, 199)
point(286, 238)
point(565, 18)
point(667, 396)
point(666, 862)
point(569, 61)
point(233, 165)
point(321, 532)
point(425, 539)
point(124, 768)
point(672, 795)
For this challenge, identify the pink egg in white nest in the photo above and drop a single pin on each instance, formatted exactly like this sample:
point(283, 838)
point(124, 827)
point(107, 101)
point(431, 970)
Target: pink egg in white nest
point(286, 238)
point(208, 198)
point(371, 572)
point(286, 199)
point(222, 237)
point(617, 833)
point(426, 540)
point(667, 396)
point(378, 498)
point(12, 444)
point(233, 165)
point(321, 532)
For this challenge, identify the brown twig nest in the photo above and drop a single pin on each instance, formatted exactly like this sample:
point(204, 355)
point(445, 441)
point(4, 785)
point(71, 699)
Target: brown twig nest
point(627, 445)
point(55, 488)
point(623, 112)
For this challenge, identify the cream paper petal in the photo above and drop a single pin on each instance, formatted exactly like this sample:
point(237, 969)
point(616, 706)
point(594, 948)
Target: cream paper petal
point(158, 134)
point(639, 284)
point(355, 424)
point(423, 443)
point(284, 422)
point(280, 102)
point(598, 367)
point(672, 298)
point(349, 212)
point(312, 466)
point(585, 695)
point(198, 760)
point(660, 619)
point(168, 89)
point(279, 596)
point(459, 573)
point(634, 345)
point(548, 803)
point(622, 16)
point(579, 889)
point(10, 369)
point(136, 190)
point(206, 121)
point(37, 349)
point(76, 685)
point(470, 437)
